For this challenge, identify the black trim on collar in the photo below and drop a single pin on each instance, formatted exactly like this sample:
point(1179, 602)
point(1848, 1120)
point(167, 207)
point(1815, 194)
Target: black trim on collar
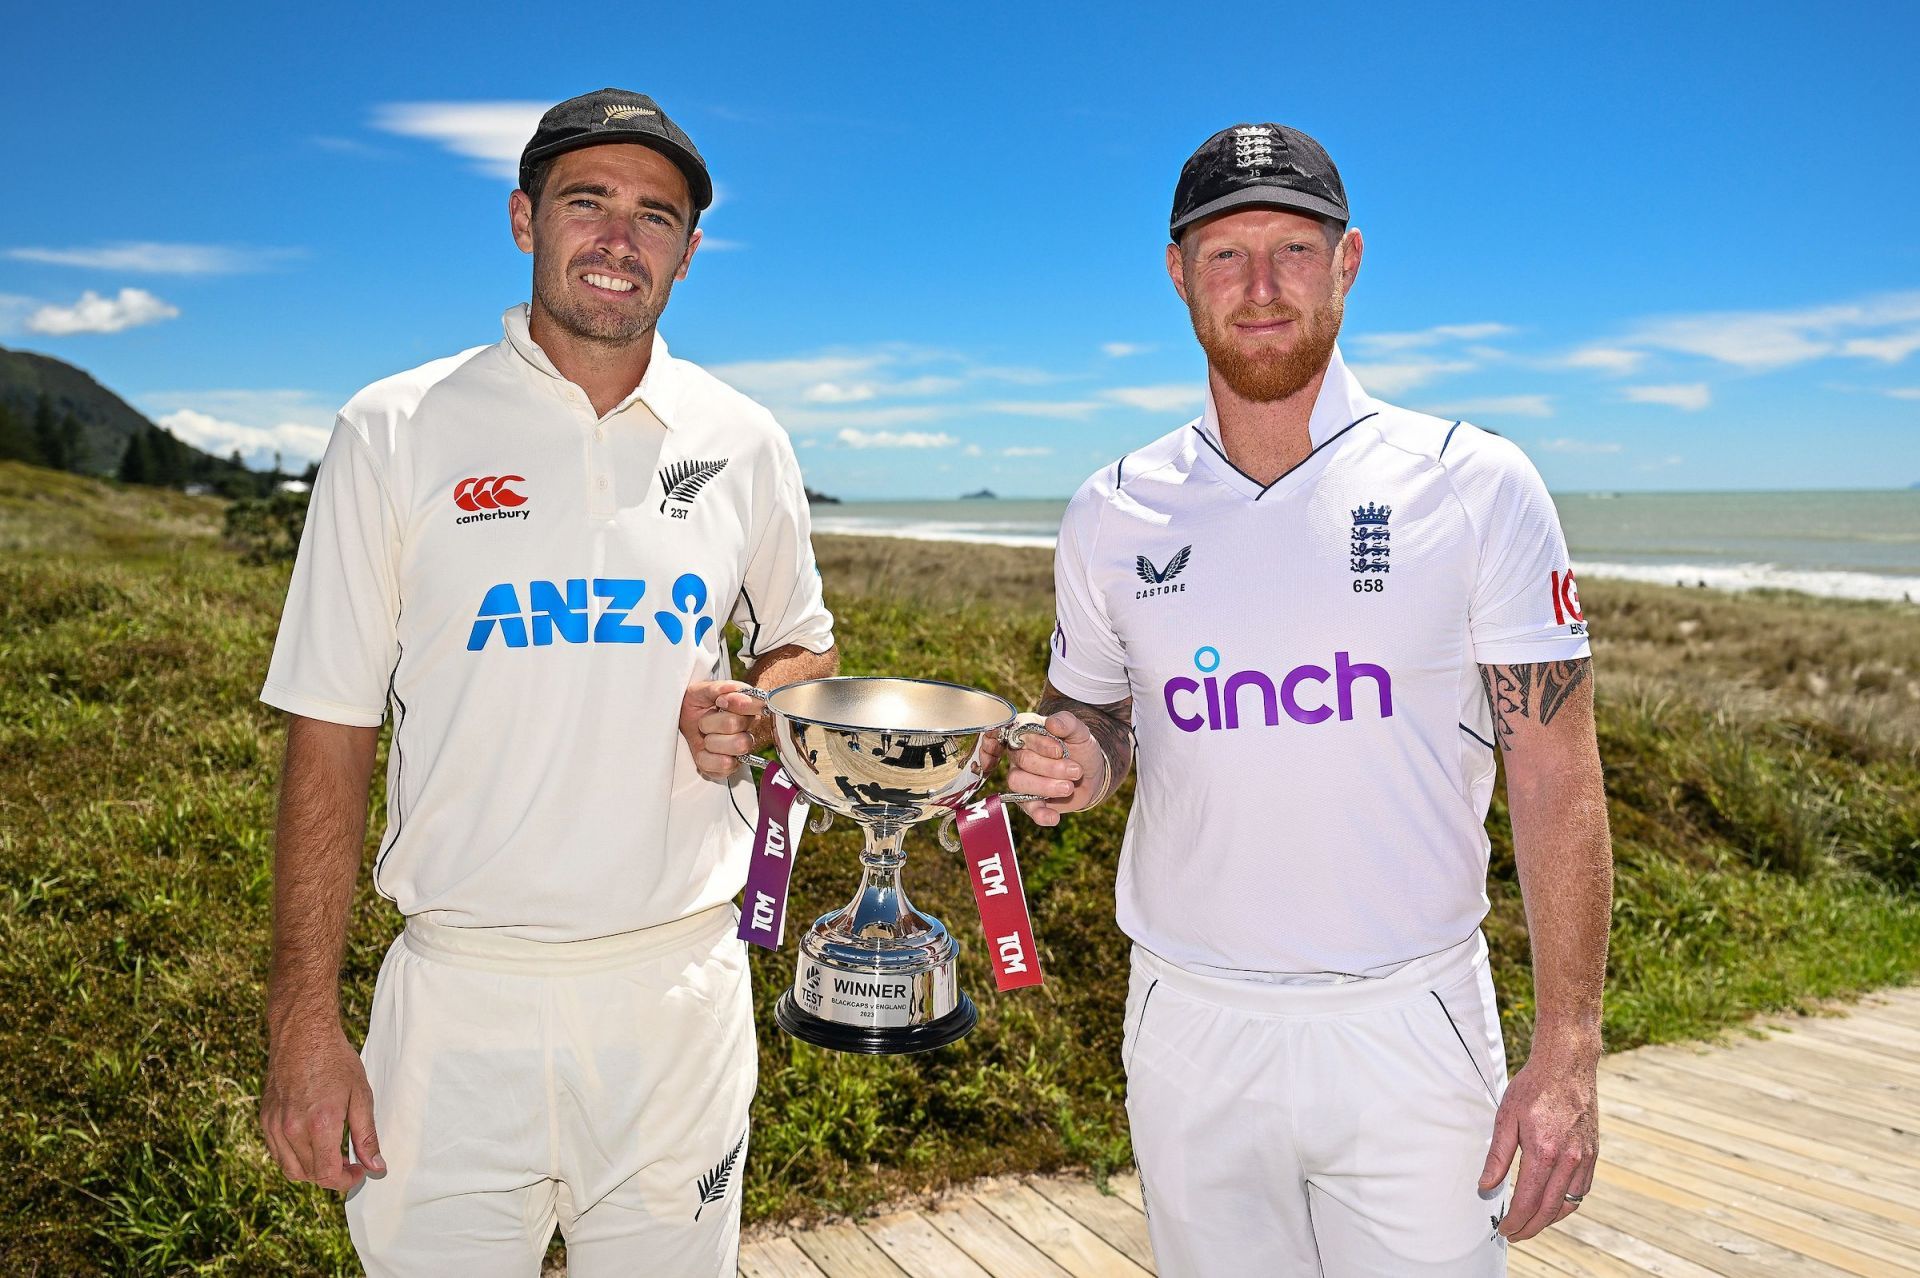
point(1266, 488)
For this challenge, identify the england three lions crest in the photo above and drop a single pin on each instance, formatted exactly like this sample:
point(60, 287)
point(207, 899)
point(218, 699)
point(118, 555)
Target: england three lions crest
point(1368, 551)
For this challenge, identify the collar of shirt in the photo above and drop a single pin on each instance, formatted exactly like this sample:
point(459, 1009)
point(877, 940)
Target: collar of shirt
point(658, 386)
point(1339, 405)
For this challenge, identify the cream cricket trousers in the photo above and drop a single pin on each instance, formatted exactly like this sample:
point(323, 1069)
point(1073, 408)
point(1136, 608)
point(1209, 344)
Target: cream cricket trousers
point(598, 1085)
point(1303, 1131)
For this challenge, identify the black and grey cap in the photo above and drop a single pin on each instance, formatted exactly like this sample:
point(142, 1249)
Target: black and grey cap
point(616, 115)
point(1258, 164)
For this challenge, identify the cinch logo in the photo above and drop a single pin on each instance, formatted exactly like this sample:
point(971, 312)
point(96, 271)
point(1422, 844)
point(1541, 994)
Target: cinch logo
point(489, 497)
point(1222, 699)
point(562, 609)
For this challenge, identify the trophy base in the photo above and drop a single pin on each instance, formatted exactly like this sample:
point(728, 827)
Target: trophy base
point(879, 1041)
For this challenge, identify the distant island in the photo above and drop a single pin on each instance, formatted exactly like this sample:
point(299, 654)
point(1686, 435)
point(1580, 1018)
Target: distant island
point(821, 499)
point(985, 493)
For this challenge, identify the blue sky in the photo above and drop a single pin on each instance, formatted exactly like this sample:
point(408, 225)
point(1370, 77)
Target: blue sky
point(1667, 246)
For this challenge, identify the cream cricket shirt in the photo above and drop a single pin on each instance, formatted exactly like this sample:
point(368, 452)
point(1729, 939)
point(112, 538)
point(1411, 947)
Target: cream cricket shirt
point(1315, 748)
point(530, 590)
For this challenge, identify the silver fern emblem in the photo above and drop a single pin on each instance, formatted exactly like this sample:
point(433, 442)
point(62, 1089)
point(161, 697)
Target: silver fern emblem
point(1154, 576)
point(684, 480)
point(712, 1187)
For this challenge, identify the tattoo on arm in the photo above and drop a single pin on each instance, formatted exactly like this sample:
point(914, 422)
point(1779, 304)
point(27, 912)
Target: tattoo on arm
point(1111, 727)
point(1536, 691)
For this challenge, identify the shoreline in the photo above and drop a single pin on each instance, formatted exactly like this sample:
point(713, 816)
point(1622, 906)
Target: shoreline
point(1733, 578)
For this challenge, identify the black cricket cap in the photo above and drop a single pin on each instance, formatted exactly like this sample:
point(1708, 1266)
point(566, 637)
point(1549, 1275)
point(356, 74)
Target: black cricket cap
point(616, 115)
point(1258, 164)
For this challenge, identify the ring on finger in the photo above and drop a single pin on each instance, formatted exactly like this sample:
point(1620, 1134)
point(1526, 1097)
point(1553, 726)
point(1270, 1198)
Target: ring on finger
point(1575, 1199)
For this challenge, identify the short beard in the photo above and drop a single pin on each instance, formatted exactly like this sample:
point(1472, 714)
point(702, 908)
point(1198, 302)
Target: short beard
point(1262, 377)
point(580, 318)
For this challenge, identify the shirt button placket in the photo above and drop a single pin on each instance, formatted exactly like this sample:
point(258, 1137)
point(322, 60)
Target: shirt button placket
point(601, 503)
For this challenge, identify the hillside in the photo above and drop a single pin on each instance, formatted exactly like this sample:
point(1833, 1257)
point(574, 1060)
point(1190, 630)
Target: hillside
point(1763, 767)
point(107, 422)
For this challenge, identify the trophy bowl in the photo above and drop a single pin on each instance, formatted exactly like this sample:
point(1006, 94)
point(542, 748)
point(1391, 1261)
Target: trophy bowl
point(878, 976)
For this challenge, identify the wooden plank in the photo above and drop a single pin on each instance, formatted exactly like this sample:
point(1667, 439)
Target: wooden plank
point(1573, 1257)
point(1526, 1264)
point(1070, 1244)
point(1127, 1185)
point(987, 1239)
point(918, 1248)
point(1869, 1234)
point(842, 1251)
point(1902, 1011)
point(1756, 1073)
point(1784, 1169)
point(1709, 1241)
point(1117, 1221)
point(1837, 1184)
point(779, 1258)
point(1897, 1150)
point(1784, 1060)
point(1902, 1040)
point(1653, 1100)
point(1849, 1050)
point(1885, 1055)
point(1637, 1252)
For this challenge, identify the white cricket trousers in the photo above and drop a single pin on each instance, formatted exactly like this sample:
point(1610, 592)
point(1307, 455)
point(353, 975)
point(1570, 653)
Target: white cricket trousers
point(1318, 1131)
point(598, 1085)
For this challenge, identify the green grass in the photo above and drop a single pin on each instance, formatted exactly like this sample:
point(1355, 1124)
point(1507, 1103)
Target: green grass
point(1764, 785)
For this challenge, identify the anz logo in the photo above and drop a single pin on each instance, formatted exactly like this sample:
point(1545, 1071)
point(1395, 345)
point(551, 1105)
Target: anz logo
point(562, 609)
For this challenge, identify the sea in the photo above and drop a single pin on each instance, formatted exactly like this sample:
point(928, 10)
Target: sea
point(1848, 545)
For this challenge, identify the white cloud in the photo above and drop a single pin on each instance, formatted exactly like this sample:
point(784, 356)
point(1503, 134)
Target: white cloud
point(1616, 360)
point(1063, 409)
point(891, 439)
point(1763, 340)
point(1018, 451)
point(1498, 406)
point(1672, 460)
point(1577, 446)
point(1891, 349)
point(1173, 397)
point(96, 314)
point(1692, 396)
point(297, 442)
point(491, 134)
point(1386, 343)
point(837, 393)
point(1400, 376)
point(151, 258)
point(1120, 350)
point(801, 419)
point(971, 450)
point(249, 407)
point(1905, 392)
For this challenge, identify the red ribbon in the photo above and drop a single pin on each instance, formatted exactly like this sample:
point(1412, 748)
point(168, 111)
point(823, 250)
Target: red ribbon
point(986, 840)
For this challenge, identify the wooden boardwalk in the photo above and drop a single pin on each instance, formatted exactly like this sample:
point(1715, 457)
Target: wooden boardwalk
point(1796, 1154)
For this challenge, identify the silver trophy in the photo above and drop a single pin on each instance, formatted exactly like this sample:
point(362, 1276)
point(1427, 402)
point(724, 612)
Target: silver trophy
point(878, 976)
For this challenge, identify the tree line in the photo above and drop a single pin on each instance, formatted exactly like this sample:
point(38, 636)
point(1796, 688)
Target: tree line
point(153, 455)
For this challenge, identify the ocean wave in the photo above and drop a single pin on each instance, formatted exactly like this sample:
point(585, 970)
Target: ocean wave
point(1828, 583)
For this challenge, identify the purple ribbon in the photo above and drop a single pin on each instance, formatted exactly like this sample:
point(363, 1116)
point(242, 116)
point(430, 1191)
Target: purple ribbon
point(763, 907)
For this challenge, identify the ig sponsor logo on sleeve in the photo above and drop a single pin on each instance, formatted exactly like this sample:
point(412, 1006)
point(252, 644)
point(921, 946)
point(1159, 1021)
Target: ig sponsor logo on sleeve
point(1566, 602)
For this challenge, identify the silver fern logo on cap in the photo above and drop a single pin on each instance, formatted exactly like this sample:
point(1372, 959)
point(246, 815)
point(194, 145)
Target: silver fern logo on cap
point(626, 113)
point(683, 481)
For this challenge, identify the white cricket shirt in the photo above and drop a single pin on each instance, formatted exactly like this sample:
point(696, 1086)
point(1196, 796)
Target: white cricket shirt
point(531, 588)
point(1314, 761)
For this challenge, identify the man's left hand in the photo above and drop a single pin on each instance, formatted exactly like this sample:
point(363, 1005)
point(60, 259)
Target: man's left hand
point(1551, 1117)
point(720, 724)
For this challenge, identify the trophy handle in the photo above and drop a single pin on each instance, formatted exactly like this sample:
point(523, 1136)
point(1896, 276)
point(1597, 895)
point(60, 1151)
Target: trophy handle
point(1013, 736)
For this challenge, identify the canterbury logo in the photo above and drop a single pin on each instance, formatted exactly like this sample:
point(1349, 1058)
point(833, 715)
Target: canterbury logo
point(626, 113)
point(684, 480)
point(488, 492)
point(1154, 576)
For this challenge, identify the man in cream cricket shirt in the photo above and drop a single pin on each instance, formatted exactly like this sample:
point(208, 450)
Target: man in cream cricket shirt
point(529, 552)
point(1324, 615)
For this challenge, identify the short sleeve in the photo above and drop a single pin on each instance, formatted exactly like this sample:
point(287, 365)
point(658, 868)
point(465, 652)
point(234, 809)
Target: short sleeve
point(1525, 608)
point(334, 656)
point(1088, 663)
point(780, 598)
